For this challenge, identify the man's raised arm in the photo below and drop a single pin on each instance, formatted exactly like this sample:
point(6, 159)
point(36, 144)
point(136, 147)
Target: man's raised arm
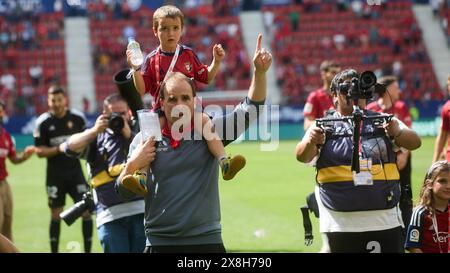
point(231, 126)
point(261, 61)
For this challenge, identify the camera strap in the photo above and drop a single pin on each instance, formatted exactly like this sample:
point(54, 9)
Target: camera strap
point(364, 177)
point(309, 238)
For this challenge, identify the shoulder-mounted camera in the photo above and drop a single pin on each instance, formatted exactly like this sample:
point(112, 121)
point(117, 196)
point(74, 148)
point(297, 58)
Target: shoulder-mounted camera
point(361, 87)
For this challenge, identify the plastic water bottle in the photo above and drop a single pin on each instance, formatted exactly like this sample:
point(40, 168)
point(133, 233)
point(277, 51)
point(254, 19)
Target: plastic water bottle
point(136, 54)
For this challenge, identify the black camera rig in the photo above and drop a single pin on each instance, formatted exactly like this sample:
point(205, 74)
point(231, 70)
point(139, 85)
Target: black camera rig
point(358, 88)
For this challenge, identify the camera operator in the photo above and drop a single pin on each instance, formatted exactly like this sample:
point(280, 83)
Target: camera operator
point(64, 174)
point(105, 147)
point(358, 210)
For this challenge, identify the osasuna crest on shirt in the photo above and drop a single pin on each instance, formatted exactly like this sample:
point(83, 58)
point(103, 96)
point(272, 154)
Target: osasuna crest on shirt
point(188, 67)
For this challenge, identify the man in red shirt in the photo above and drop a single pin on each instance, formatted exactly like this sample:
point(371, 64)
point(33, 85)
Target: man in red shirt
point(445, 129)
point(8, 150)
point(319, 101)
point(389, 102)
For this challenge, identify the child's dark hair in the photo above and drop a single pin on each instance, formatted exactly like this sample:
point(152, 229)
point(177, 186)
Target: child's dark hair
point(168, 11)
point(426, 193)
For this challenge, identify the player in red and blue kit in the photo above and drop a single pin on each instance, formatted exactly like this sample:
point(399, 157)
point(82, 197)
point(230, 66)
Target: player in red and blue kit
point(421, 232)
point(428, 229)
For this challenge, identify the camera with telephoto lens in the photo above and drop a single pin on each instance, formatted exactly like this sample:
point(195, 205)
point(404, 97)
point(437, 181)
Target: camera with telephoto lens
point(73, 213)
point(360, 88)
point(116, 123)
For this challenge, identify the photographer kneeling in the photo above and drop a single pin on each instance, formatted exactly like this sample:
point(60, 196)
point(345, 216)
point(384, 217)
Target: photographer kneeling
point(105, 147)
point(358, 210)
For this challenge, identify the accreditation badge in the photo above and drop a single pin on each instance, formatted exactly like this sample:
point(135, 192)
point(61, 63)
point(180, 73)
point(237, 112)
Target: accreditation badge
point(364, 177)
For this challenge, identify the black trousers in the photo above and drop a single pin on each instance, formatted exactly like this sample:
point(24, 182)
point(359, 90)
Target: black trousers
point(212, 248)
point(384, 241)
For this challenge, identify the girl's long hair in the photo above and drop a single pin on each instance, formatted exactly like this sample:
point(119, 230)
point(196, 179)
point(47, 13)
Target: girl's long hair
point(426, 193)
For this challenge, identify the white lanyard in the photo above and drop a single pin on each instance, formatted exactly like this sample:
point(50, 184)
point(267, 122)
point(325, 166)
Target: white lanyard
point(436, 230)
point(172, 64)
point(174, 61)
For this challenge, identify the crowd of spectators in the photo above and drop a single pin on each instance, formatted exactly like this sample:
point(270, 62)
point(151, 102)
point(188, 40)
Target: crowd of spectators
point(29, 39)
point(383, 38)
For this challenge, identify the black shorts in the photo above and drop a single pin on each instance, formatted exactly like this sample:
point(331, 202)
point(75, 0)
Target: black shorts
point(383, 241)
point(58, 187)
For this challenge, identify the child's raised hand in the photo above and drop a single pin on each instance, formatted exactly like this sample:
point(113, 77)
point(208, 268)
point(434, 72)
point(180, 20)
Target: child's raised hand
point(218, 52)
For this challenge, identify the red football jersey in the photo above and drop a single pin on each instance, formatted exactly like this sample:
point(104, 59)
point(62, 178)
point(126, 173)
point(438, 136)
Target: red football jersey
point(7, 149)
point(317, 104)
point(422, 234)
point(187, 63)
point(400, 110)
point(445, 115)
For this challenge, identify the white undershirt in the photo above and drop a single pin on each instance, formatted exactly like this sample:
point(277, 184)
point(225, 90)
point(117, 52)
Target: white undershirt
point(357, 221)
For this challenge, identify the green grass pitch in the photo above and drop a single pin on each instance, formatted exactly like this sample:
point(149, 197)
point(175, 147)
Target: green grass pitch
point(260, 207)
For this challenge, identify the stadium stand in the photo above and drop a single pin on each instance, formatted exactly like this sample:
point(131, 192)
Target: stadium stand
point(443, 11)
point(32, 54)
point(383, 38)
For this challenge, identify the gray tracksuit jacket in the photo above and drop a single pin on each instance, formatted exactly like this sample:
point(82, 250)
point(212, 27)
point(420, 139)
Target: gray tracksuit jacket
point(182, 206)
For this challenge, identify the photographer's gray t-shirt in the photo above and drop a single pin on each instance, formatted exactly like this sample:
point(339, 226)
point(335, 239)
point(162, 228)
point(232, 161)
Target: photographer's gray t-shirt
point(182, 205)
